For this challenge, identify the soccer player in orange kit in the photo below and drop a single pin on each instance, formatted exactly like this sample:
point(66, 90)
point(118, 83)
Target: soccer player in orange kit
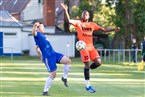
point(84, 32)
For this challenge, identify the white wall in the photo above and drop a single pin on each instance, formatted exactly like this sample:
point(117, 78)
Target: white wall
point(12, 43)
point(59, 43)
point(33, 10)
point(25, 40)
point(25, 35)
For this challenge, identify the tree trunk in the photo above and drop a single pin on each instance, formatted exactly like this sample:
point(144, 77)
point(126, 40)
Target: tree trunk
point(66, 24)
point(130, 27)
point(91, 15)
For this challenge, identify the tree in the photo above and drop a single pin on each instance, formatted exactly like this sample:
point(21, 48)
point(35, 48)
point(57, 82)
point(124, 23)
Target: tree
point(99, 13)
point(131, 16)
point(127, 14)
point(139, 18)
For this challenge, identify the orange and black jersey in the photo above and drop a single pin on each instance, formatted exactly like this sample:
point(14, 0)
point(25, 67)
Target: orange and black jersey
point(85, 31)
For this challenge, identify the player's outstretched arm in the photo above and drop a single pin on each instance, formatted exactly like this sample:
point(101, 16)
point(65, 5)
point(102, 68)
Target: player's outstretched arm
point(116, 29)
point(39, 52)
point(34, 29)
point(65, 7)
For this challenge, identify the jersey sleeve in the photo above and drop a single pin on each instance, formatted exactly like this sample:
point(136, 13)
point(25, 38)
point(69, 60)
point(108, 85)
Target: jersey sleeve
point(95, 26)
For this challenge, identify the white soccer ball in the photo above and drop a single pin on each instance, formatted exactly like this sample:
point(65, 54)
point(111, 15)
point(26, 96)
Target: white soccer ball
point(80, 45)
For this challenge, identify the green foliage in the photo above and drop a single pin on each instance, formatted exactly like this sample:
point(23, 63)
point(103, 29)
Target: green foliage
point(112, 13)
point(102, 14)
point(137, 8)
point(105, 16)
point(119, 17)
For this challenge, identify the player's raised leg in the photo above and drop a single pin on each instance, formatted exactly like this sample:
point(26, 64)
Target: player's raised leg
point(66, 61)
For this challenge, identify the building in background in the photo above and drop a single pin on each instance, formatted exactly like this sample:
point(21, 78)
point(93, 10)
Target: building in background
point(17, 18)
point(11, 33)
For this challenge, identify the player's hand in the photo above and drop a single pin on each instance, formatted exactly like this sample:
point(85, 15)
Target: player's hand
point(37, 24)
point(64, 6)
point(117, 29)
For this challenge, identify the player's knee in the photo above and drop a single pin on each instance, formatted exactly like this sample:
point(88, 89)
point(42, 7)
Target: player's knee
point(98, 64)
point(87, 65)
point(69, 61)
point(53, 74)
point(65, 60)
point(95, 65)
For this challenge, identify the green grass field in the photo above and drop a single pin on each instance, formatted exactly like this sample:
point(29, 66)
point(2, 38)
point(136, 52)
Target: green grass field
point(25, 77)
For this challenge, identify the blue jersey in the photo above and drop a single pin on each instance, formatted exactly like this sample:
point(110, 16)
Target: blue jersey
point(44, 45)
point(50, 57)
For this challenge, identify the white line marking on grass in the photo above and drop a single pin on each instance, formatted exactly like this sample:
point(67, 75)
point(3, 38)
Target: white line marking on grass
point(61, 73)
point(72, 79)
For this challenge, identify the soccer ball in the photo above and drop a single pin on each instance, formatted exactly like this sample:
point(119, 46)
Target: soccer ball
point(80, 45)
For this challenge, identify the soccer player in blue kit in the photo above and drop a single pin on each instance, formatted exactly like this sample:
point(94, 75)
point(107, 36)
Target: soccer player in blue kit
point(49, 57)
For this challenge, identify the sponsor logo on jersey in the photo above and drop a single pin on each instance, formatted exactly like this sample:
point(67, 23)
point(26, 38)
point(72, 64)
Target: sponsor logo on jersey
point(86, 35)
point(86, 29)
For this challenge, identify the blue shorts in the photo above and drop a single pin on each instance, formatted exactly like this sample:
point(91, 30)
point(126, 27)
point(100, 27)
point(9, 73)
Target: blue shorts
point(50, 62)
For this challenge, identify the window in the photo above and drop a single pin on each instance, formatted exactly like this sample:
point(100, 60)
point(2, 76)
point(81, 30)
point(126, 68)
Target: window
point(8, 34)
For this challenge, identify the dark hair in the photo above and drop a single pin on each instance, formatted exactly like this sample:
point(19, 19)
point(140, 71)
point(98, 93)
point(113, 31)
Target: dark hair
point(85, 11)
point(39, 25)
point(37, 21)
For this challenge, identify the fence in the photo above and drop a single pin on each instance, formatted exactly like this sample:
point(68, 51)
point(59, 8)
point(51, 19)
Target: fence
point(120, 55)
point(113, 55)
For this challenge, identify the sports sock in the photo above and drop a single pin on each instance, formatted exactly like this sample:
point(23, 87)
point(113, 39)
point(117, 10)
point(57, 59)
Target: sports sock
point(87, 77)
point(86, 74)
point(65, 71)
point(48, 84)
point(87, 83)
point(94, 66)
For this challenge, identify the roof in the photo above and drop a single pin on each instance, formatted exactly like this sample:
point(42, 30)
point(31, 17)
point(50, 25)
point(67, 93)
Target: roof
point(7, 20)
point(13, 6)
